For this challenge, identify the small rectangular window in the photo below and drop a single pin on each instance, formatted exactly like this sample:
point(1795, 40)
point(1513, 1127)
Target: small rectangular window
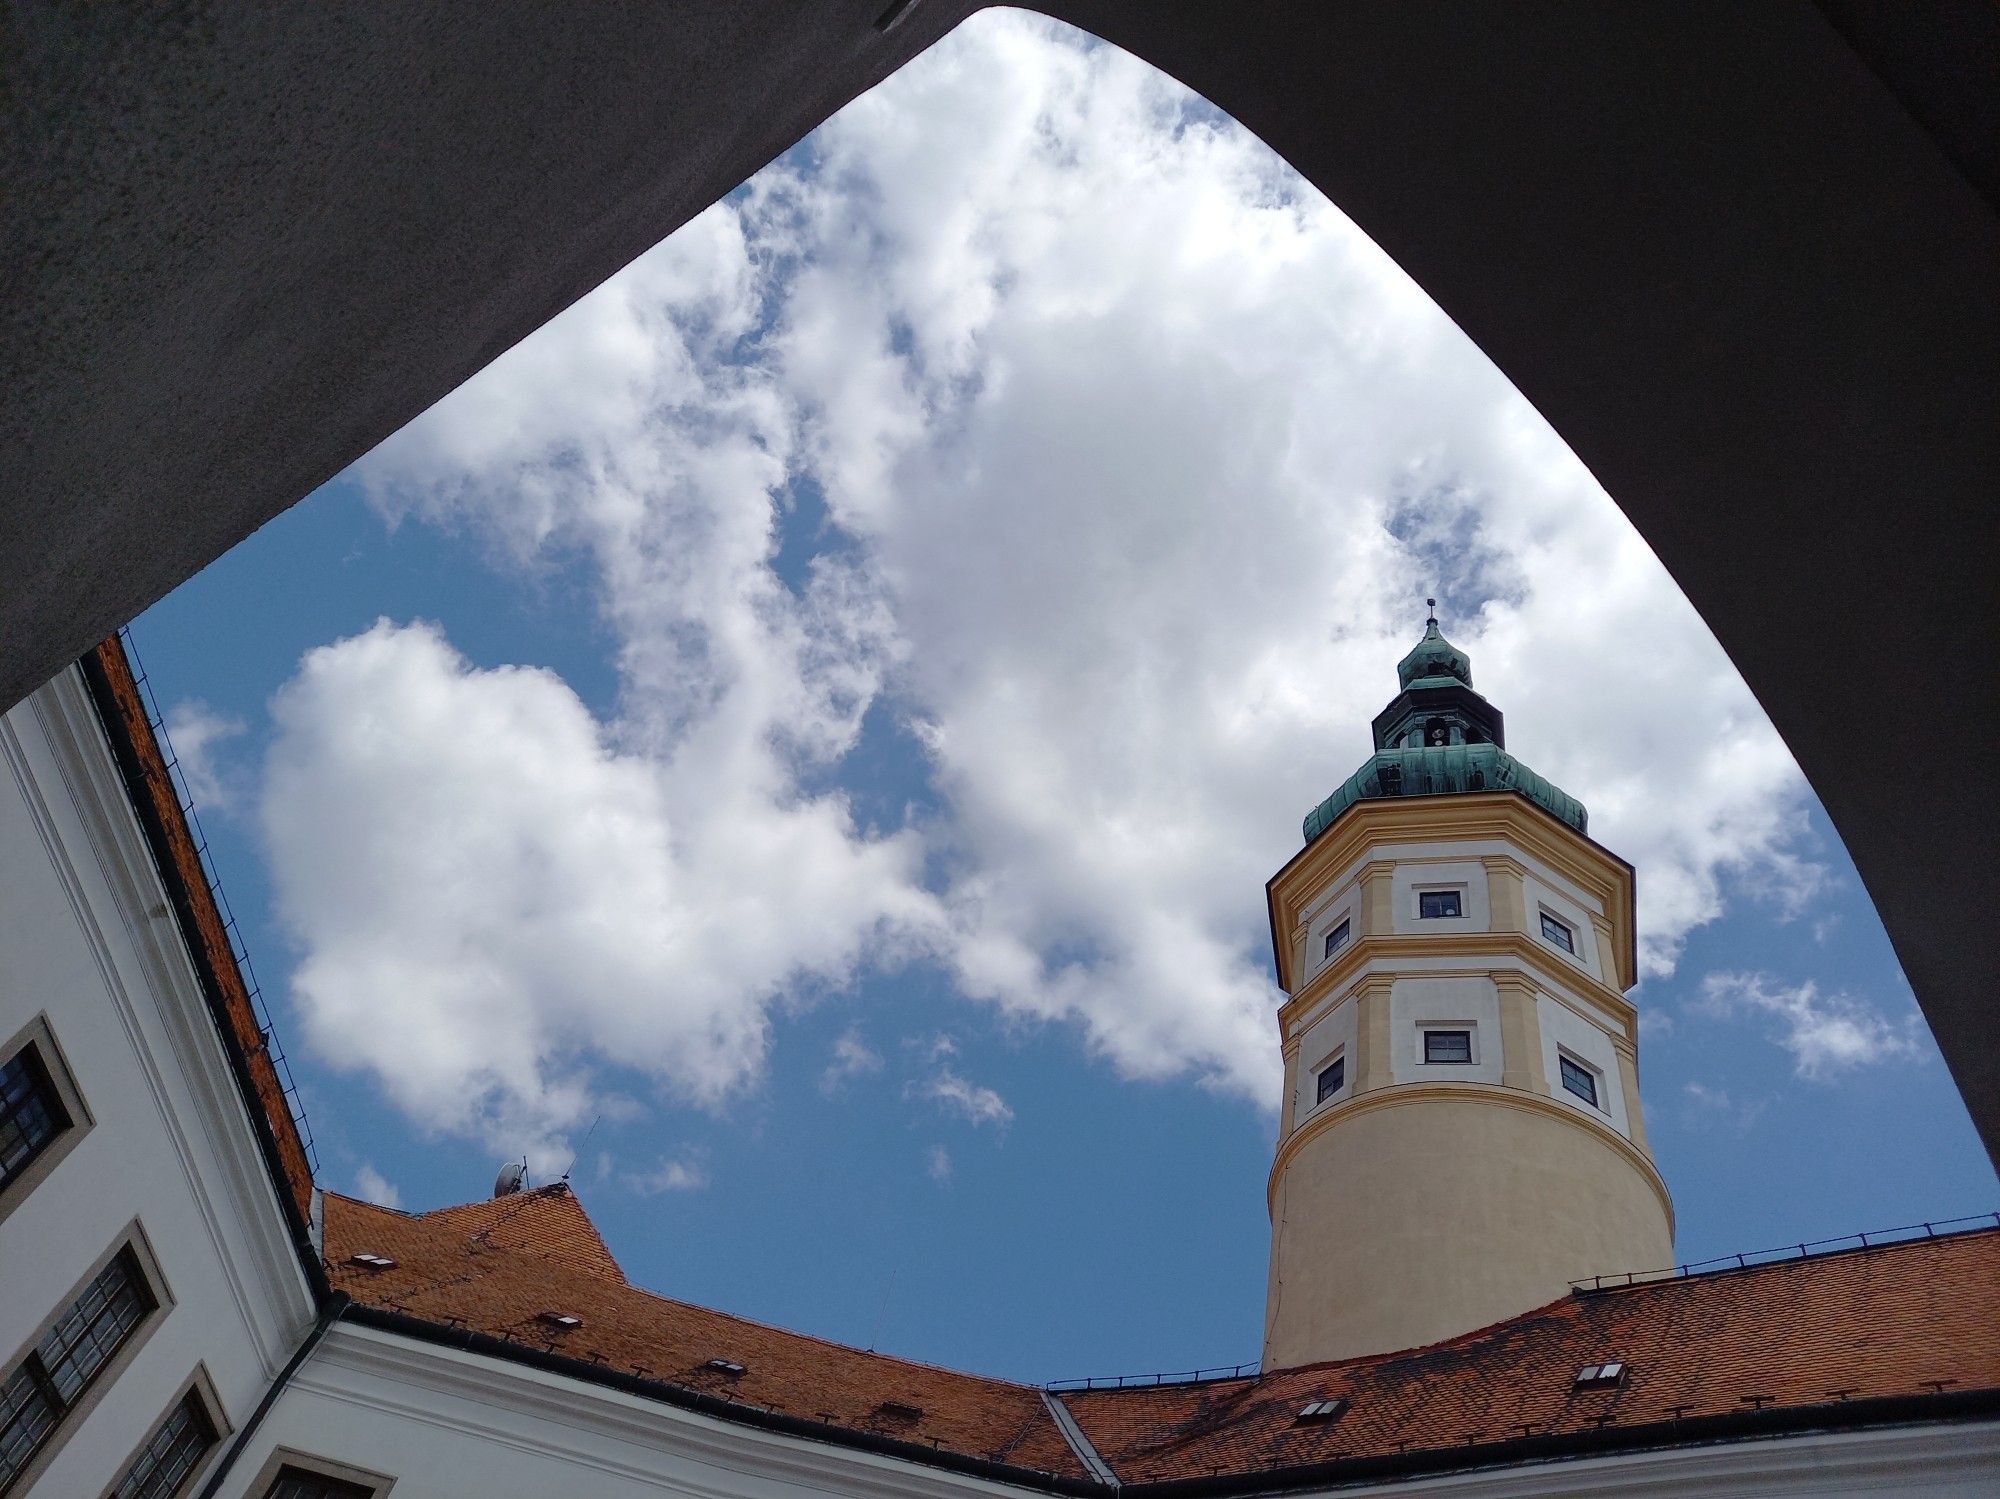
point(1448, 1046)
point(1557, 933)
point(59, 1368)
point(31, 1111)
point(1580, 1080)
point(1437, 903)
point(1337, 939)
point(301, 1483)
point(1332, 1077)
point(171, 1453)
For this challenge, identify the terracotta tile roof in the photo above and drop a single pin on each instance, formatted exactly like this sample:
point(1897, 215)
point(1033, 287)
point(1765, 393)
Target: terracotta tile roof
point(108, 674)
point(1896, 1320)
point(496, 1266)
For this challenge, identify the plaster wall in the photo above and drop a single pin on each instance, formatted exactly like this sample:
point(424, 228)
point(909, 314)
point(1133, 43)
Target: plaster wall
point(1562, 903)
point(1563, 1030)
point(1421, 1217)
point(1467, 1002)
point(88, 948)
point(1332, 1034)
point(1439, 871)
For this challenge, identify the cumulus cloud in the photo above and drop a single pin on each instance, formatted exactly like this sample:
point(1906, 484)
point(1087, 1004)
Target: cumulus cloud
point(852, 1058)
point(371, 1185)
point(496, 903)
point(1135, 458)
point(196, 732)
point(1706, 1106)
point(937, 1164)
point(1826, 1033)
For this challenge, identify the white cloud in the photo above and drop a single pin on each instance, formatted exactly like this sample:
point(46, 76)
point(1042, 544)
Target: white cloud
point(1136, 458)
point(371, 1185)
point(196, 731)
point(1825, 1033)
point(971, 1101)
point(937, 1164)
point(496, 903)
point(1706, 1106)
point(684, 1174)
point(852, 1058)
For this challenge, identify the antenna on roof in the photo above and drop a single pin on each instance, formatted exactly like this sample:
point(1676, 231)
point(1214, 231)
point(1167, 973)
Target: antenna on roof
point(579, 1149)
point(512, 1178)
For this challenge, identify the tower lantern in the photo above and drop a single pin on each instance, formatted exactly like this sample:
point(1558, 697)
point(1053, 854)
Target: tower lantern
point(1461, 1135)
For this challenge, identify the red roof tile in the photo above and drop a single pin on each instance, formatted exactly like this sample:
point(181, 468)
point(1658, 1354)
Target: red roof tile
point(1888, 1321)
point(495, 1267)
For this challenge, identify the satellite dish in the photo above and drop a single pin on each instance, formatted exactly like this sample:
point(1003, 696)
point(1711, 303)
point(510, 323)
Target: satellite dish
point(513, 1176)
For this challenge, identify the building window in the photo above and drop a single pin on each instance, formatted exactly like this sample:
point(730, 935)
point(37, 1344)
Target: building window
point(1448, 1046)
point(1580, 1080)
point(1337, 939)
point(46, 1385)
point(171, 1453)
point(1332, 1078)
point(1436, 903)
point(31, 1111)
point(299, 1483)
point(1559, 934)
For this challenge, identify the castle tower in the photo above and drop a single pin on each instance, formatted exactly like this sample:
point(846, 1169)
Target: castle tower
point(1461, 1135)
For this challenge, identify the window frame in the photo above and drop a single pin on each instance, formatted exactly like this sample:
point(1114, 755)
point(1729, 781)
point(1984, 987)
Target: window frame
point(374, 1485)
point(199, 1389)
point(1449, 1028)
point(1337, 936)
point(1567, 941)
point(1567, 1062)
point(131, 1240)
point(1455, 893)
point(1322, 1094)
point(39, 1036)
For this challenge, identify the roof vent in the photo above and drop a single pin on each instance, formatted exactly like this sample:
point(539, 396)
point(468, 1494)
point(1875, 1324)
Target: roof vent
point(900, 1410)
point(1324, 1410)
point(512, 1178)
point(1600, 1376)
point(725, 1366)
point(559, 1319)
point(372, 1261)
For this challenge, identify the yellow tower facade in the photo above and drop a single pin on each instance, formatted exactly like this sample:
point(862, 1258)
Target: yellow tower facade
point(1461, 1134)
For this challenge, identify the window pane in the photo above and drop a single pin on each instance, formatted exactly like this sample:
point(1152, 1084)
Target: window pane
point(297, 1483)
point(1557, 933)
point(86, 1336)
point(1336, 939)
point(1579, 1080)
point(27, 1414)
point(31, 1113)
point(1431, 903)
point(1331, 1077)
point(1447, 1046)
point(170, 1454)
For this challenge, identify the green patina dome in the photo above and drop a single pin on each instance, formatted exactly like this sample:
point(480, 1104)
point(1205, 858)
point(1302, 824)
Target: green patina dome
point(1438, 737)
point(1434, 661)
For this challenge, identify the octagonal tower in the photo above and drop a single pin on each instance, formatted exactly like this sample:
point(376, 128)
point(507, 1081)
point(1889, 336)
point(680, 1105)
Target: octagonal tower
point(1461, 1135)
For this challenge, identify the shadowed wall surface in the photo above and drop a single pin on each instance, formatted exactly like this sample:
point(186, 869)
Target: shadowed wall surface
point(1744, 258)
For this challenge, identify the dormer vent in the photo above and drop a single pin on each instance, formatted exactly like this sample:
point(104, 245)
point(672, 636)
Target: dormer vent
point(1324, 1410)
point(729, 1368)
point(372, 1261)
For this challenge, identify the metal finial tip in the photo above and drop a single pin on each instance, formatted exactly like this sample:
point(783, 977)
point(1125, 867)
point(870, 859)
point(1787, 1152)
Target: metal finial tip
point(1433, 603)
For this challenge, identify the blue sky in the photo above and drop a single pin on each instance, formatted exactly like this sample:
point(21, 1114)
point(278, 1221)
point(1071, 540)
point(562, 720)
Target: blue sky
point(805, 734)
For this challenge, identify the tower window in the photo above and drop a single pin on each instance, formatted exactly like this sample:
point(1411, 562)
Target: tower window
point(1436, 903)
point(1559, 934)
point(1337, 939)
point(1580, 1080)
point(1448, 1046)
point(1332, 1078)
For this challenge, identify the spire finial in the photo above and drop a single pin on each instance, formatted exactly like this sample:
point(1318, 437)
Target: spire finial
point(1433, 603)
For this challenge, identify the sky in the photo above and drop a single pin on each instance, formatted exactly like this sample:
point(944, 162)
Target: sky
point(798, 743)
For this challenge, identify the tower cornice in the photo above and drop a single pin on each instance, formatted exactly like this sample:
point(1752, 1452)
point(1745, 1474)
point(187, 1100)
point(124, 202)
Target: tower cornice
point(1501, 816)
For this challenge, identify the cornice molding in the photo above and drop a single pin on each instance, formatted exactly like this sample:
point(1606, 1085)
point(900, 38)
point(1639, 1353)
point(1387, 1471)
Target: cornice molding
point(1396, 1095)
point(1357, 964)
